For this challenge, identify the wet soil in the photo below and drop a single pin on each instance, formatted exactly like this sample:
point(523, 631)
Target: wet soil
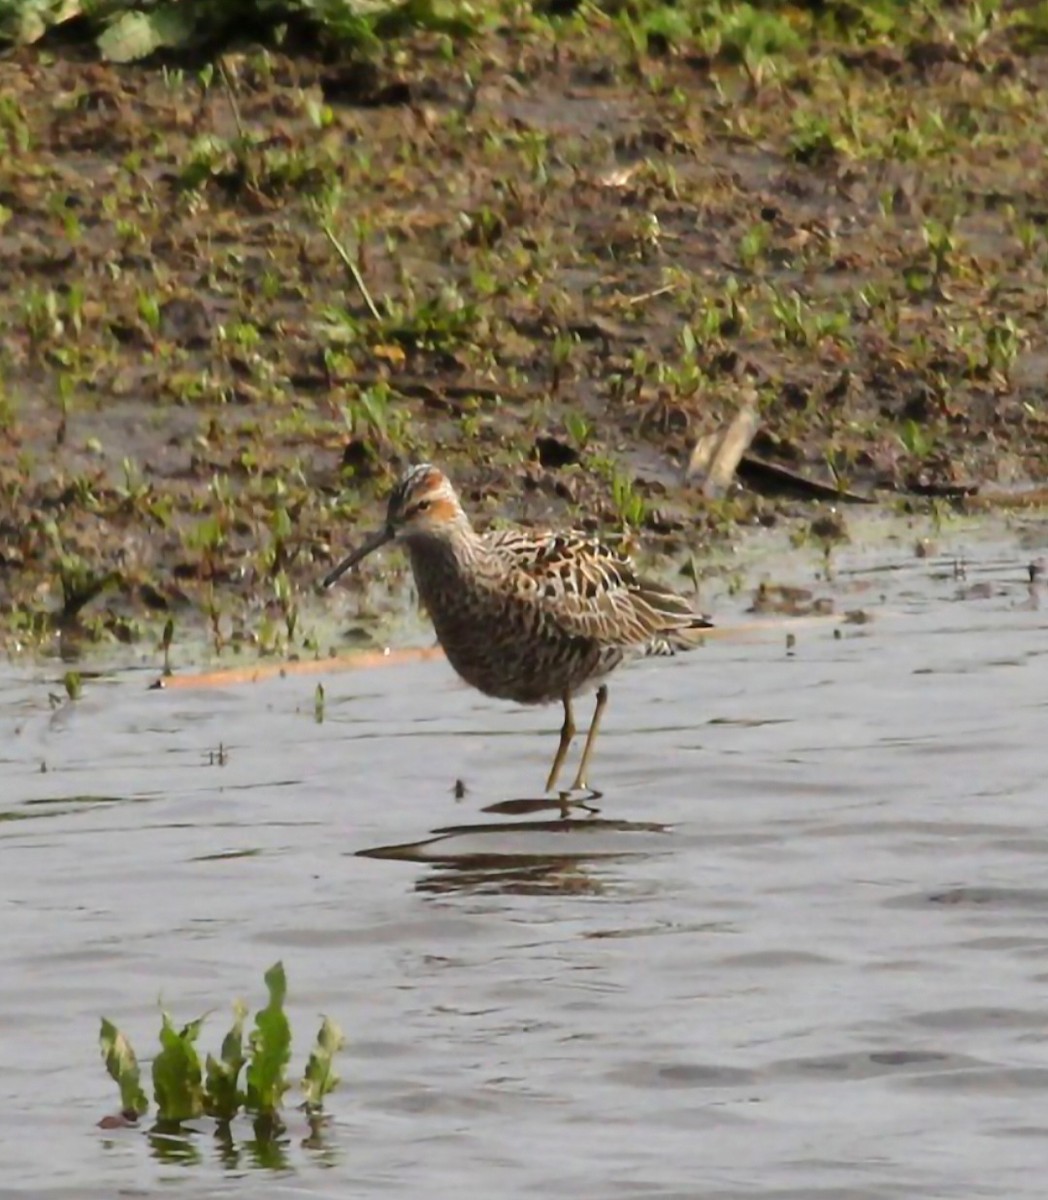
point(798, 952)
point(579, 250)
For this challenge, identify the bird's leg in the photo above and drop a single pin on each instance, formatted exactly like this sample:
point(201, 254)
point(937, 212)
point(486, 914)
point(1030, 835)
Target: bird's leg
point(580, 784)
point(567, 732)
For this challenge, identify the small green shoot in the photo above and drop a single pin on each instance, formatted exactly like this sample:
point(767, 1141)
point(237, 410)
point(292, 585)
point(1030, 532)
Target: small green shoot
point(915, 439)
point(577, 428)
point(629, 503)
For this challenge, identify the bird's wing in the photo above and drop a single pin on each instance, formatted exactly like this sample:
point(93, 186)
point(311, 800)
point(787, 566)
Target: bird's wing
point(589, 590)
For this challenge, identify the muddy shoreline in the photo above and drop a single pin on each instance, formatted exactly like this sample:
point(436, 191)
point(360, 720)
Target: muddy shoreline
point(578, 253)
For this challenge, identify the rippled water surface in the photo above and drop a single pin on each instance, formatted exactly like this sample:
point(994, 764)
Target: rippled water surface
point(801, 951)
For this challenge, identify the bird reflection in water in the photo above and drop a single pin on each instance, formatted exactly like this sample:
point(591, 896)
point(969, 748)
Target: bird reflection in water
point(562, 856)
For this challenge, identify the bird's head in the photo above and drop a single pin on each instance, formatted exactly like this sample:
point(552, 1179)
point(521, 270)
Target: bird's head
point(423, 505)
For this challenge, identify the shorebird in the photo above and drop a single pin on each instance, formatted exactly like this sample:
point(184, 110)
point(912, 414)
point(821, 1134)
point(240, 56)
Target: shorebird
point(526, 616)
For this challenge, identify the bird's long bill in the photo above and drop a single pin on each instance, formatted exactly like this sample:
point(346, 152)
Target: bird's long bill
point(384, 535)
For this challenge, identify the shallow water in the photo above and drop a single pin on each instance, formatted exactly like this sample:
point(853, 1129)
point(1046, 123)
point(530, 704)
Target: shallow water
point(800, 952)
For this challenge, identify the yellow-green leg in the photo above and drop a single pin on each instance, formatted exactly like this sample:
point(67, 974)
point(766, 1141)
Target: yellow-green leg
point(567, 732)
point(580, 783)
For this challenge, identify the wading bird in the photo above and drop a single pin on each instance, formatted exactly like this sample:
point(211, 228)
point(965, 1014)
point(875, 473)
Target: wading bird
point(525, 616)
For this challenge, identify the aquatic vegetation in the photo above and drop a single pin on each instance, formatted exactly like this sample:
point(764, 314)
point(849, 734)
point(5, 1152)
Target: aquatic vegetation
point(248, 1076)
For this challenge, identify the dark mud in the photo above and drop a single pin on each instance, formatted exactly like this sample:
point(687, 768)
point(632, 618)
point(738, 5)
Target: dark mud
point(581, 246)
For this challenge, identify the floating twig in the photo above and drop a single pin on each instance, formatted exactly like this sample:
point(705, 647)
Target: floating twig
point(644, 297)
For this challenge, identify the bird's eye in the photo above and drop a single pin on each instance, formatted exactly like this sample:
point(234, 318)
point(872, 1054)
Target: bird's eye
point(422, 506)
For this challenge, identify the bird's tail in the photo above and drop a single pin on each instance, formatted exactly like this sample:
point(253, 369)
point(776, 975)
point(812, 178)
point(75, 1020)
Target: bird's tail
point(685, 637)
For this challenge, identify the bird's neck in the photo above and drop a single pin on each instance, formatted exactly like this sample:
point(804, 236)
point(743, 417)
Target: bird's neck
point(442, 561)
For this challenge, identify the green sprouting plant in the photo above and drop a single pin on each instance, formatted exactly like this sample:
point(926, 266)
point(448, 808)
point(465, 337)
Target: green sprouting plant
point(14, 129)
point(1004, 340)
point(813, 140)
point(285, 599)
point(209, 537)
point(149, 310)
point(753, 243)
point(1027, 233)
point(213, 611)
point(630, 505)
point(41, 316)
point(275, 555)
point(751, 34)
point(942, 246)
point(577, 428)
point(8, 410)
point(971, 26)
point(134, 489)
point(249, 1078)
point(74, 301)
point(440, 324)
point(915, 439)
point(370, 416)
point(208, 155)
point(561, 355)
point(800, 324)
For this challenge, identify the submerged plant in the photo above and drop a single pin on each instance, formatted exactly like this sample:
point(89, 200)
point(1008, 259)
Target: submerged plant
point(122, 1066)
point(251, 1080)
point(270, 1050)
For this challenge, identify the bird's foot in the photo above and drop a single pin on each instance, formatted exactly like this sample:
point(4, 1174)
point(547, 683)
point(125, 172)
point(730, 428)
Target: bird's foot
point(570, 799)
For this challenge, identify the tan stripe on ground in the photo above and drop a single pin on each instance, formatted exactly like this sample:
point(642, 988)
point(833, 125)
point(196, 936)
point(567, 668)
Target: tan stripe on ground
point(365, 659)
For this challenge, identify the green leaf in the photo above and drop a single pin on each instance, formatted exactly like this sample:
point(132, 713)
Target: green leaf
point(122, 1065)
point(320, 1072)
point(177, 1085)
point(400, 19)
point(270, 1043)
point(26, 21)
point(135, 35)
point(222, 1096)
